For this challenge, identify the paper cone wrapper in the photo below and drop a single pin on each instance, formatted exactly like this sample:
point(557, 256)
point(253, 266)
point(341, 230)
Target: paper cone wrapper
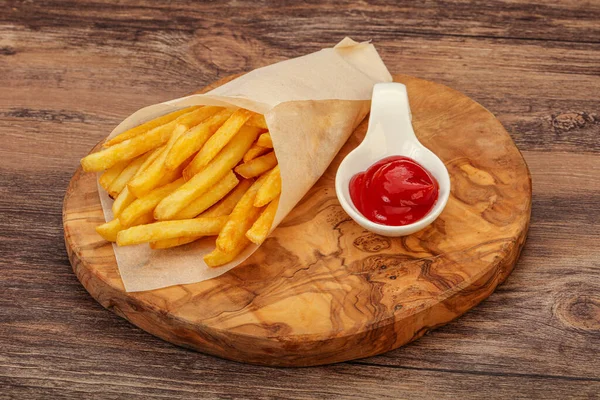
point(311, 104)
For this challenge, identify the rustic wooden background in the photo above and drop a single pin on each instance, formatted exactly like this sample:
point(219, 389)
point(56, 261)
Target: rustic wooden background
point(71, 70)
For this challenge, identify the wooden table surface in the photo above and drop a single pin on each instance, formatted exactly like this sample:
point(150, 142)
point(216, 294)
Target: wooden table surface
point(71, 70)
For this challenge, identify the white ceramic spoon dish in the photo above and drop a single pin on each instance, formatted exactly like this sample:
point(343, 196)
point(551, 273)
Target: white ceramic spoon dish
point(390, 133)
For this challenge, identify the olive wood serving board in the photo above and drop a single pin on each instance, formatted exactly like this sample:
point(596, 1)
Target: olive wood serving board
point(321, 289)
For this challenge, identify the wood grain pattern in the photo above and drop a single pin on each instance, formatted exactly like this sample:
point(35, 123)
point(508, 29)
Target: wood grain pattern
point(70, 71)
point(322, 289)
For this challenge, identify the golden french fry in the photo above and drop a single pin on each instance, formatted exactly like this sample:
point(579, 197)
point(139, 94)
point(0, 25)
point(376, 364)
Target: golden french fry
point(153, 155)
point(257, 166)
point(212, 195)
point(227, 204)
point(200, 115)
point(260, 229)
point(170, 229)
point(257, 121)
point(145, 127)
point(174, 242)
point(222, 208)
point(147, 203)
point(192, 140)
point(111, 174)
point(149, 179)
point(270, 189)
point(127, 150)
point(124, 199)
point(170, 176)
point(254, 152)
point(214, 171)
point(219, 257)
point(264, 140)
point(109, 230)
point(125, 176)
point(217, 141)
point(241, 219)
point(139, 144)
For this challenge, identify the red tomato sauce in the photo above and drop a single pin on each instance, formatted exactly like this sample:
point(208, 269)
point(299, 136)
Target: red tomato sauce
point(394, 191)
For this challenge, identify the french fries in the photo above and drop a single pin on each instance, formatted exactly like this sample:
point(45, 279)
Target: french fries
point(264, 140)
point(254, 152)
point(215, 170)
point(214, 194)
point(111, 174)
point(217, 141)
point(170, 229)
point(139, 144)
point(127, 149)
point(194, 138)
point(146, 204)
point(153, 156)
point(260, 229)
point(219, 257)
point(240, 220)
point(109, 230)
point(173, 181)
point(222, 208)
point(258, 166)
point(124, 199)
point(231, 154)
point(258, 121)
point(270, 189)
point(128, 172)
point(150, 178)
point(145, 127)
point(173, 242)
point(227, 204)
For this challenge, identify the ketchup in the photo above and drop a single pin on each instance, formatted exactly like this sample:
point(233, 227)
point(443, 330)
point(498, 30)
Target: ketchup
point(394, 191)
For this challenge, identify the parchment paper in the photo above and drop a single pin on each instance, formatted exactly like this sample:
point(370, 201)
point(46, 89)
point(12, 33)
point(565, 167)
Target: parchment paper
point(311, 104)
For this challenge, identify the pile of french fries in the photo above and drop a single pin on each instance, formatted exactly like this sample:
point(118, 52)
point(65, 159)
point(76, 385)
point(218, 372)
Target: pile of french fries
point(197, 172)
